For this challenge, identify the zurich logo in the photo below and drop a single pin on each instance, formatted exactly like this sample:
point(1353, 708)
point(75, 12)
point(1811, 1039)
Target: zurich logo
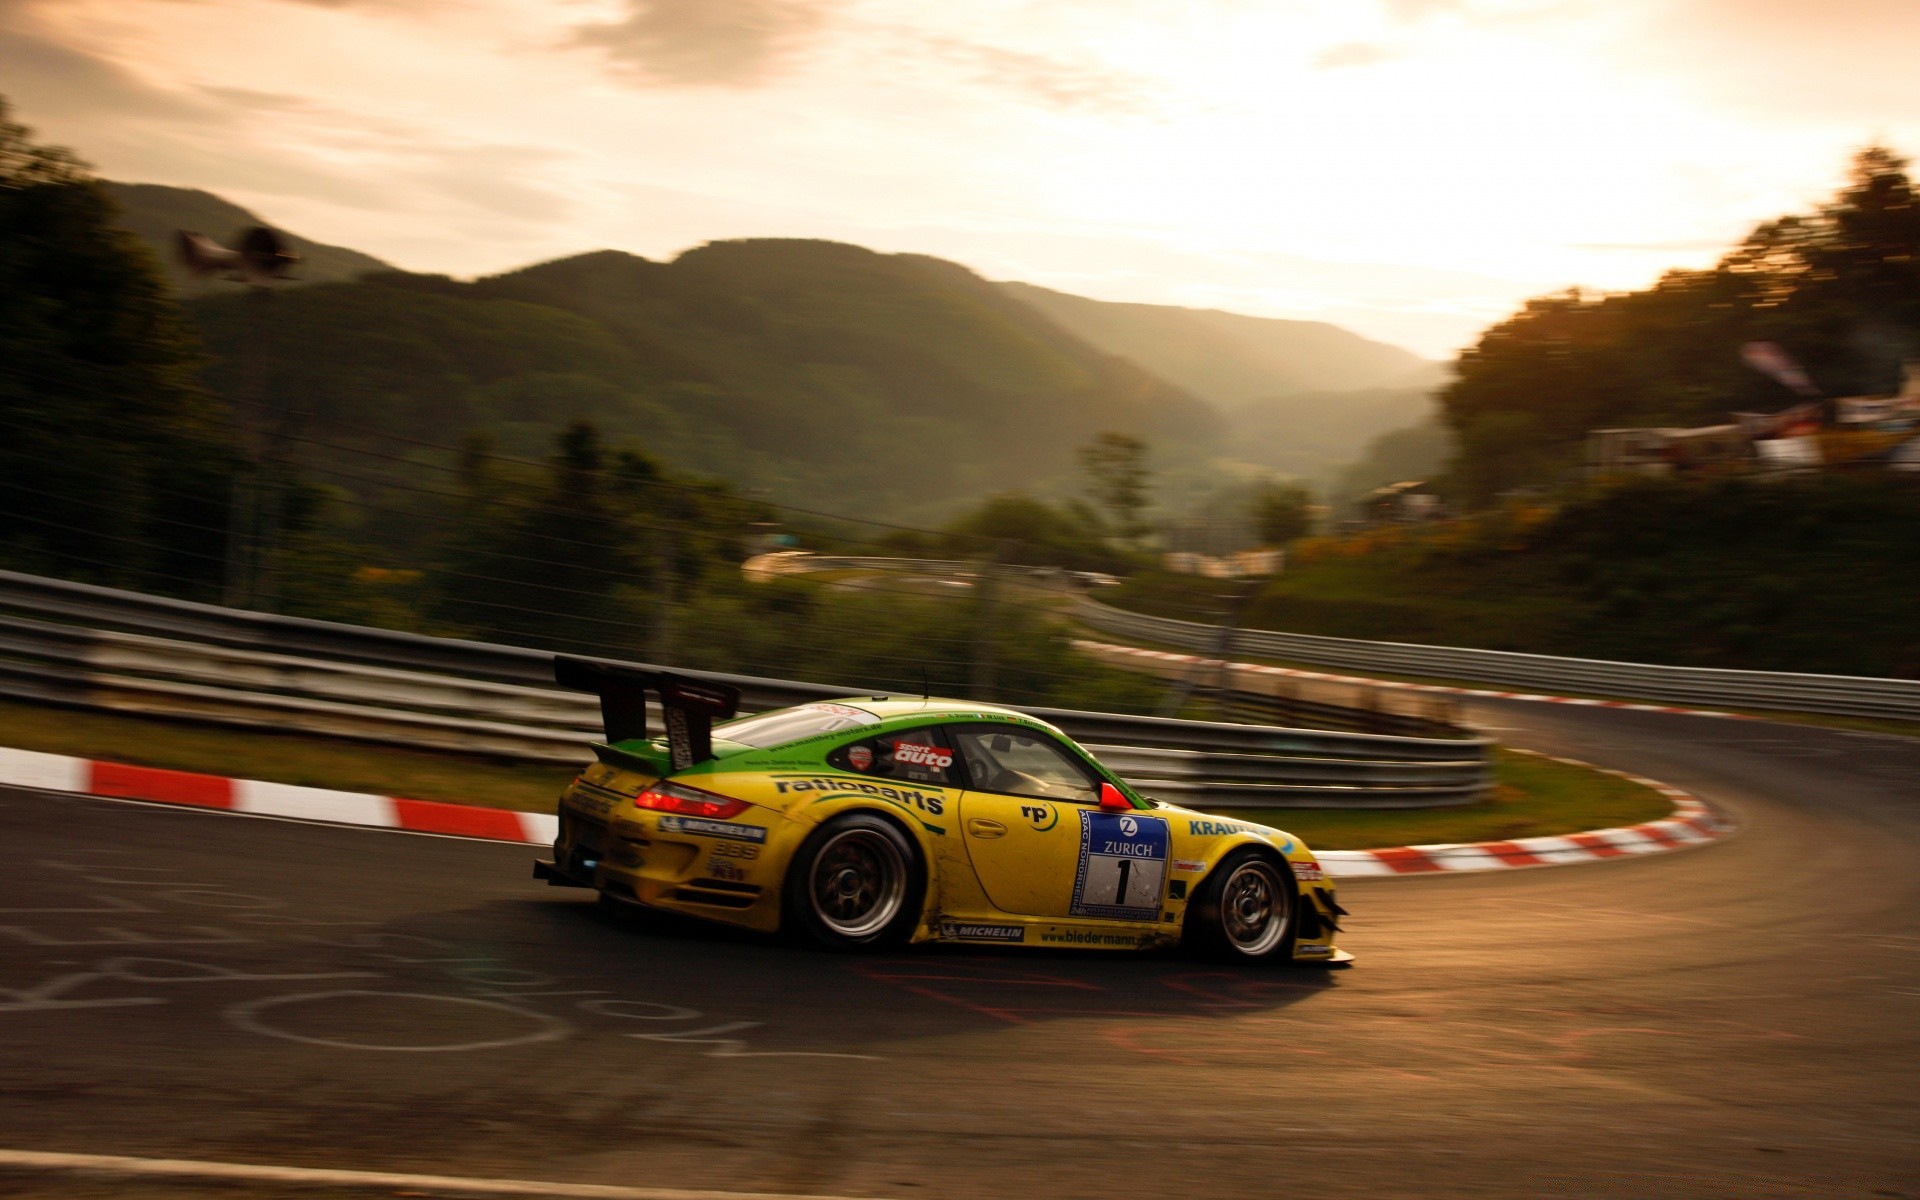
point(1129, 827)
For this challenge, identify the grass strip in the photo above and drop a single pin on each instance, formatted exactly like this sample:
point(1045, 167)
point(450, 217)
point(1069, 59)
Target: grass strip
point(1532, 797)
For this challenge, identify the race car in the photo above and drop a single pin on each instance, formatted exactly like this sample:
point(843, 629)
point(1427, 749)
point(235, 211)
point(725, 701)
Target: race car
point(873, 822)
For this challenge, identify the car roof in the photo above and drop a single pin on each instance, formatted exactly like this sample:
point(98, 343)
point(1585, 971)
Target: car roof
point(891, 708)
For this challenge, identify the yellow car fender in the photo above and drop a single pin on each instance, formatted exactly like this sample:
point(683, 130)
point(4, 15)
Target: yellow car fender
point(1203, 841)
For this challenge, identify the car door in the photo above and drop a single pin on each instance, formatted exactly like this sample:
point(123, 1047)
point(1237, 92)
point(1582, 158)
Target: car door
point(1037, 839)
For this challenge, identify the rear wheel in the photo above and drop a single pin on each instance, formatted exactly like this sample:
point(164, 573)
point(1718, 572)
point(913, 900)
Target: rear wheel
point(1245, 910)
point(855, 884)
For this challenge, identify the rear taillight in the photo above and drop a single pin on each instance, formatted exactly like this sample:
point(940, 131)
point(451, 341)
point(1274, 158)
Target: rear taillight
point(688, 801)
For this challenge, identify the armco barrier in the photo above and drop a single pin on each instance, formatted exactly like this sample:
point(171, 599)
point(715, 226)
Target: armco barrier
point(103, 648)
point(1845, 695)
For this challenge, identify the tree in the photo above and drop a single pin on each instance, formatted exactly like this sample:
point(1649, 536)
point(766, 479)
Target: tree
point(115, 464)
point(1282, 513)
point(1839, 289)
point(1117, 475)
point(555, 568)
point(1028, 531)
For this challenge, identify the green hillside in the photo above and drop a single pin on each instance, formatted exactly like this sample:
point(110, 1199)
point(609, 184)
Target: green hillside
point(823, 373)
point(738, 357)
point(1230, 358)
point(1416, 452)
point(1809, 574)
point(1301, 397)
point(154, 213)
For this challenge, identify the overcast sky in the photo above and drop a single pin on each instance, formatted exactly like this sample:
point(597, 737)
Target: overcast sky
point(1410, 169)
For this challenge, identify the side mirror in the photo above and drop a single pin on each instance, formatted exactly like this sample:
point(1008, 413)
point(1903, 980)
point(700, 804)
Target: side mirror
point(1112, 799)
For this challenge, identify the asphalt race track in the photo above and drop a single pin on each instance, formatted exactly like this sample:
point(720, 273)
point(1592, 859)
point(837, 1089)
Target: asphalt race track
point(1740, 1020)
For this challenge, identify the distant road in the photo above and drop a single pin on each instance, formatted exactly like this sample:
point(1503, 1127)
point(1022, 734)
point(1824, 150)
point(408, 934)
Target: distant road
point(1741, 1020)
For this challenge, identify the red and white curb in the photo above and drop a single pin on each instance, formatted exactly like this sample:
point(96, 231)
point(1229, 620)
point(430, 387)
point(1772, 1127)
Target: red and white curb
point(63, 773)
point(1402, 685)
point(1692, 824)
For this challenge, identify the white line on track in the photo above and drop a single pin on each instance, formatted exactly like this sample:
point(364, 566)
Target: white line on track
point(123, 1167)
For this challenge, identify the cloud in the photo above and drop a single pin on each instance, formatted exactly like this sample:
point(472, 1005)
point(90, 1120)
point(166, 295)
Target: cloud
point(1713, 246)
point(1796, 59)
point(1411, 11)
point(45, 75)
point(1354, 54)
point(1055, 82)
point(257, 101)
point(707, 43)
point(751, 43)
point(494, 178)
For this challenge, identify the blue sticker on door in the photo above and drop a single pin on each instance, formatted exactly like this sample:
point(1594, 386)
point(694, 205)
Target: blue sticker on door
point(1123, 866)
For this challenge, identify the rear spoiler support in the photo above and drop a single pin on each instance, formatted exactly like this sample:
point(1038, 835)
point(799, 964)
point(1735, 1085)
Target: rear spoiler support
point(691, 705)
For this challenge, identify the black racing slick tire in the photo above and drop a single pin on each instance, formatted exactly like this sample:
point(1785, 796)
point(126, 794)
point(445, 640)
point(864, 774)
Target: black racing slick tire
point(856, 883)
point(1245, 910)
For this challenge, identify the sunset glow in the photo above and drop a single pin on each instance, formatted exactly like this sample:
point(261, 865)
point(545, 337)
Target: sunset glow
point(1408, 168)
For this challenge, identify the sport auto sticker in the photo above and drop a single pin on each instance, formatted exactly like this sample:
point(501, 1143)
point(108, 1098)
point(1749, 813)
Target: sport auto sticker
point(1123, 866)
point(920, 754)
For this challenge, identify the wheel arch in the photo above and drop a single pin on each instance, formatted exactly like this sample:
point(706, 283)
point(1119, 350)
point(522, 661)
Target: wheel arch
point(1198, 923)
point(916, 835)
point(1227, 850)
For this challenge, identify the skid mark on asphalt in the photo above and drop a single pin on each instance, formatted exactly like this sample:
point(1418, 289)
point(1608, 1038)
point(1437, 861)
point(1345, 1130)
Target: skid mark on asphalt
point(385, 967)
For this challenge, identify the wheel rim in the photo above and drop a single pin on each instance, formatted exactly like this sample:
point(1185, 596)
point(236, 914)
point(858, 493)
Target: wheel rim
point(1253, 908)
point(858, 883)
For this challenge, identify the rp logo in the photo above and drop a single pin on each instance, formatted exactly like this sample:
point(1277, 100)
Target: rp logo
point(1129, 826)
point(1041, 816)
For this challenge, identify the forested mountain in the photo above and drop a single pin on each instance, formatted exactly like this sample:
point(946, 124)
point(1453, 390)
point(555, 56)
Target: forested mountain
point(153, 213)
point(1229, 358)
point(820, 372)
point(121, 467)
point(1301, 397)
point(764, 360)
point(1416, 452)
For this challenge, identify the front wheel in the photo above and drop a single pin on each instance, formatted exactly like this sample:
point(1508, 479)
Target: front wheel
point(1245, 910)
point(855, 884)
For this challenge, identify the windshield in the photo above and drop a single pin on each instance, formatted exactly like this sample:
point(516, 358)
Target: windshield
point(791, 724)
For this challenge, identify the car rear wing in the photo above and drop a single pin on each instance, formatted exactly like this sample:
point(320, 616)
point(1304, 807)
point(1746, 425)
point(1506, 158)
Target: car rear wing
point(690, 705)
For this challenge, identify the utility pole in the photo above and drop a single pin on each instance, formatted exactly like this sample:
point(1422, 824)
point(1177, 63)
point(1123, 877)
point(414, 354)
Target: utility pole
point(986, 623)
point(258, 499)
point(1234, 607)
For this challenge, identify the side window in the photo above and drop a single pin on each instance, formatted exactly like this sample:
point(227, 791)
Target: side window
point(917, 756)
point(1015, 762)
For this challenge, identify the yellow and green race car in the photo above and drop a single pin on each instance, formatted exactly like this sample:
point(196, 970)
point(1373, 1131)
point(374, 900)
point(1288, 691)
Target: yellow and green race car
point(875, 822)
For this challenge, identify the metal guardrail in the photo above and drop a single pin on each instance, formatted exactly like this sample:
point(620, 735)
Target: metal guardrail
point(802, 562)
point(1845, 695)
point(103, 648)
point(1226, 694)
